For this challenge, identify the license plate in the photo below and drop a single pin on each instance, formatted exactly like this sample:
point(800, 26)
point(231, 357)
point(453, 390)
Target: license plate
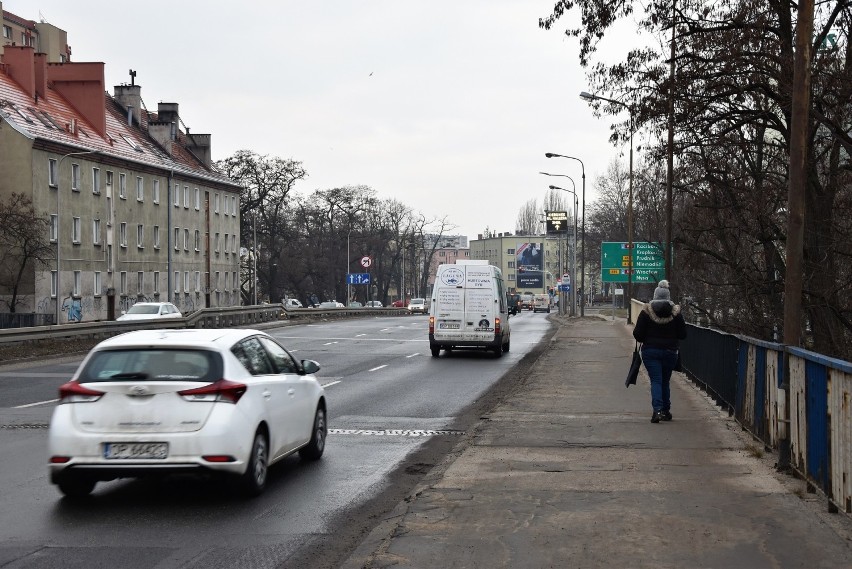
point(448, 325)
point(135, 451)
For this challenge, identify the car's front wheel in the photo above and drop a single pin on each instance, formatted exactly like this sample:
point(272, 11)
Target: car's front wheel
point(316, 446)
point(253, 481)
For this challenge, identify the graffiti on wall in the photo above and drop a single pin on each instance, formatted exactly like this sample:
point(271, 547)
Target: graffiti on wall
point(73, 309)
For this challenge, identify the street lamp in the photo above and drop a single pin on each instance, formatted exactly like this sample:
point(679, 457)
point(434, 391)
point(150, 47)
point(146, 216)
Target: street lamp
point(583, 231)
point(348, 267)
point(590, 97)
point(58, 223)
point(574, 259)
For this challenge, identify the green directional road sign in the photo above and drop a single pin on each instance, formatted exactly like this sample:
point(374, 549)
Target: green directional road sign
point(648, 262)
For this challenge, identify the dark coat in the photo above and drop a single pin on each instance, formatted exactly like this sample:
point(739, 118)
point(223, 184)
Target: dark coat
point(660, 325)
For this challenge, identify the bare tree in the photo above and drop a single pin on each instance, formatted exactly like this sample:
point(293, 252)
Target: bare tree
point(24, 244)
point(529, 219)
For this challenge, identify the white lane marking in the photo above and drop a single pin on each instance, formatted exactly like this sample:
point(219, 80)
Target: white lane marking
point(329, 343)
point(395, 432)
point(414, 354)
point(34, 404)
point(378, 368)
point(359, 335)
point(330, 383)
point(34, 374)
point(384, 329)
point(310, 339)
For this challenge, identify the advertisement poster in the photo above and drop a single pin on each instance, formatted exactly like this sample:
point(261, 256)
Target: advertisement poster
point(530, 264)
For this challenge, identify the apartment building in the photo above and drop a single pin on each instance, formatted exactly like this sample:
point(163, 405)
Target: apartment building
point(135, 210)
point(529, 262)
point(41, 36)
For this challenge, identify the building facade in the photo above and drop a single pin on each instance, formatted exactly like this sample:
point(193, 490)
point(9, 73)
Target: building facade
point(135, 210)
point(530, 263)
point(41, 36)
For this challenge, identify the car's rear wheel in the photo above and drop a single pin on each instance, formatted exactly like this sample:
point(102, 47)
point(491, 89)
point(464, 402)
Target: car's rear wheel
point(506, 347)
point(436, 351)
point(76, 486)
point(253, 481)
point(315, 448)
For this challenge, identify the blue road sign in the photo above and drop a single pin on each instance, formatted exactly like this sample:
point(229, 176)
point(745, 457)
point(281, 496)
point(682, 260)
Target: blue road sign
point(564, 288)
point(358, 278)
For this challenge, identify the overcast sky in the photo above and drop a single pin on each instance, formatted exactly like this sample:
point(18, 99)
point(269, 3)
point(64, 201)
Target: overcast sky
point(446, 105)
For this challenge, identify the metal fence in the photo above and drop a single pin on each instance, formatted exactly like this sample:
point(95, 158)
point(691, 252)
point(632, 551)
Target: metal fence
point(746, 376)
point(17, 320)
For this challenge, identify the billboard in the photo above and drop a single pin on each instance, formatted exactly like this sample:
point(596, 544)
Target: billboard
point(529, 259)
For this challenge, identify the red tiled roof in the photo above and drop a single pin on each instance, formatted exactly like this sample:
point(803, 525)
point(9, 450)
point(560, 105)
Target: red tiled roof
point(34, 117)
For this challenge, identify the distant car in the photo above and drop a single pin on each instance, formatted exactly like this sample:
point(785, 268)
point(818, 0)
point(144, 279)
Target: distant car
point(355, 304)
point(331, 304)
point(417, 305)
point(216, 401)
point(374, 304)
point(527, 301)
point(150, 311)
point(292, 303)
point(398, 303)
point(514, 303)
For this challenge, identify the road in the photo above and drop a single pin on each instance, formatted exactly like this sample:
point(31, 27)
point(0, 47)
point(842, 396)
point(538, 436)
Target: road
point(394, 411)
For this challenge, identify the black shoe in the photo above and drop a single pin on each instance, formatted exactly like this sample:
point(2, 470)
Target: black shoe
point(655, 418)
point(666, 415)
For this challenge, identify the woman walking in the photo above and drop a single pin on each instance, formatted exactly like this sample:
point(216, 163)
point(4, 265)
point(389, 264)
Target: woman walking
point(659, 328)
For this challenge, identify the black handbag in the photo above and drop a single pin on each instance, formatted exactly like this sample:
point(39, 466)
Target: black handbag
point(634, 367)
point(679, 365)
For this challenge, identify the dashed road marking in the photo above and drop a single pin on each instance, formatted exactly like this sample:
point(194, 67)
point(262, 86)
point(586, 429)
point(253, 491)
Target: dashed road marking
point(378, 368)
point(35, 404)
point(414, 354)
point(396, 432)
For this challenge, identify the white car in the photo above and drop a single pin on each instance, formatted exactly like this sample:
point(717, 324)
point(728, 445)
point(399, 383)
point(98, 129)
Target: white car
point(417, 305)
point(165, 401)
point(150, 311)
point(292, 303)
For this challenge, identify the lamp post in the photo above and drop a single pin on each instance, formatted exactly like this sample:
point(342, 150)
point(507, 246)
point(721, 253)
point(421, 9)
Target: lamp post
point(58, 224)
point(590, 97)
point(574, 255)
point(583, 230)
point(348, 265)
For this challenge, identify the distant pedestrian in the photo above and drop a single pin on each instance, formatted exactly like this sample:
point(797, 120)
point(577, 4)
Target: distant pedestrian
point(659, 328)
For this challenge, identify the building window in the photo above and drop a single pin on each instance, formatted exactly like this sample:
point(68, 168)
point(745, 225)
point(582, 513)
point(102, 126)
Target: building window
point(197, 199)
point(186, 281)
point(234, 206)
point(225, 248)
point(442, 254)
point(216, 243)
point(53, 284)
point(78, 282)
point(140, 236)
point(234, 244)
point(197, 240)
point(76, 230)
point(96, 232)
point(226, 281)
point(186, 197)
point(52, 179)
point(109, 183)
point(216, 281)
point(54, 227)
point(75, 177)
point(122, 186)
point(96, 180)
point(511, 264)
point(122, 234)
point(186, 239)
point(177, 238)
point(510, 251)
point(156, 282)
point(7, 32)
point(140, 282)
point(216, 203)
point(122, 282)
point(177, 281)
point(155, 191)
point(156, 237)
point(197, 281)
point(98, 283)
point(235, 280)
point(140, 188)
point(176, 190)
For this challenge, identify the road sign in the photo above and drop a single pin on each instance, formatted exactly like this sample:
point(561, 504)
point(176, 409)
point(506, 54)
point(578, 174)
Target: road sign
point(564, 288)
point(358, 278)
point(366, 262)
point(557, 221)
point(648, 262)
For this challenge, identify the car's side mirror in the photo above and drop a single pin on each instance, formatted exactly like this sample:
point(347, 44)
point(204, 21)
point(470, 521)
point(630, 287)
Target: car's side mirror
point(310, 366)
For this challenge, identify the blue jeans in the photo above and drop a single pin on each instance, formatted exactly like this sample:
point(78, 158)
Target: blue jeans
point(660, 363)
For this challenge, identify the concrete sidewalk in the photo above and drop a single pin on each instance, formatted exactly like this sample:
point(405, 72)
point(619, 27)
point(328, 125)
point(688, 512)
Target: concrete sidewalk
point(568, 471)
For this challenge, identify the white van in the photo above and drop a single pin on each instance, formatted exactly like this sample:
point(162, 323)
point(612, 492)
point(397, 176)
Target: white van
point(469, 308)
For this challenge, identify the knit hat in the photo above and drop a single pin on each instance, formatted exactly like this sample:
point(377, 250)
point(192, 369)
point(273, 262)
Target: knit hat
point(662, 291)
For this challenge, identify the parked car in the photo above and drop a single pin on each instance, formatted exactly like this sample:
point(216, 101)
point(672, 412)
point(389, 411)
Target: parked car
point(355, 304)
point(374, 304)
point(221, 401)
point(292, 303)
point(417, 305)
point(399, 303)
point(150, 311)
point(331, 304)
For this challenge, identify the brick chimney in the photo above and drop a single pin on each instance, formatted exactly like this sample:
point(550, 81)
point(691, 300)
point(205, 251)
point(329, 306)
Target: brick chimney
point(130, 97)
point(199, 145)
point(82, 85)
point(20, 61)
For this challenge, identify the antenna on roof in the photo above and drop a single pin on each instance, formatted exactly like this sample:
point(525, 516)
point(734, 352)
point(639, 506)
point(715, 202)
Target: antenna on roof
point(132, 77)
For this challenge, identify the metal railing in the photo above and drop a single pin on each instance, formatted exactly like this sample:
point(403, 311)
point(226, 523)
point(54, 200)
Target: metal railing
point(24, 320)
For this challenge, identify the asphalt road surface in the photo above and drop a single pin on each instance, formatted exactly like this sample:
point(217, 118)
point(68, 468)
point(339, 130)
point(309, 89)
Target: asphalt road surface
point(394, 412)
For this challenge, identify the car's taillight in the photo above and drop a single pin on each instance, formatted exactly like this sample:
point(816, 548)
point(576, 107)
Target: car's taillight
point(222, 390)
point(496, 326)
point(73, 392)
point(431, 324)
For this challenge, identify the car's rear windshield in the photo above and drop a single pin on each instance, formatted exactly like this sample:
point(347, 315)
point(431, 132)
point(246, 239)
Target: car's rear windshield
point(144, 309)
point(153, 365)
